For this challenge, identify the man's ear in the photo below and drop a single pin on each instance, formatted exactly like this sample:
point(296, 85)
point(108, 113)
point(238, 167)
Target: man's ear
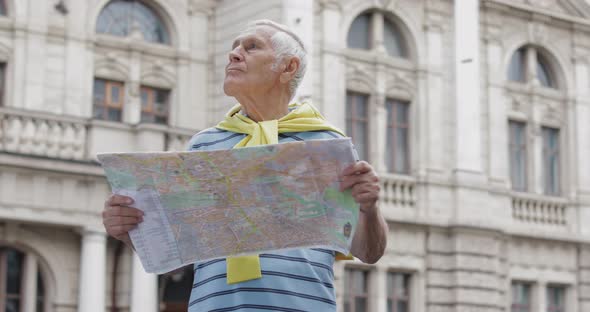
point(290, 70)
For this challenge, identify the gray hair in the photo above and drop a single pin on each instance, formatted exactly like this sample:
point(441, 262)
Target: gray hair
point(285, 43)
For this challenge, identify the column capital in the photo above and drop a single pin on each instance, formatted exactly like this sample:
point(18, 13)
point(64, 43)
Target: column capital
point(205, 7)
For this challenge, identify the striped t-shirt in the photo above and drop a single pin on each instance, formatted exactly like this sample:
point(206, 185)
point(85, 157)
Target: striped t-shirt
point(292, 281)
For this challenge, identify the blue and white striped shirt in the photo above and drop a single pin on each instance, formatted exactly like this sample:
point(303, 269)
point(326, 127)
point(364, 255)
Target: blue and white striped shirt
point(292, 281)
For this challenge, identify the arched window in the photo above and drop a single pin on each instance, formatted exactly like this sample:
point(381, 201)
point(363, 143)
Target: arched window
point(362, 34)
point(359, 34)
point(12, 282)
point(521, 61)
point(393, 39)
point(123, 17)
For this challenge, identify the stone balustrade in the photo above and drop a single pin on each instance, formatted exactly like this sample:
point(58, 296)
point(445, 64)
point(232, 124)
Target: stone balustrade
point(41, 134)
point(535, 209)
point(73, 138)
point(397, 191)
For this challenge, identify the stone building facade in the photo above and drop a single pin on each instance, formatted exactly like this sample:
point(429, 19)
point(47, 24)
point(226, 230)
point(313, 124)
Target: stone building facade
point(475, 113)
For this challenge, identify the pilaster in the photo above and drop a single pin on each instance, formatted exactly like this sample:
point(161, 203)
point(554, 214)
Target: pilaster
point(91, 292)
point(144, 288)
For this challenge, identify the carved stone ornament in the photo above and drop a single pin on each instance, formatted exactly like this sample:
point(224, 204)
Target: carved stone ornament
point(201, 6)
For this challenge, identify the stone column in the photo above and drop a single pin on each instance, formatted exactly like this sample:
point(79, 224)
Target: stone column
point(144, 289)
point(584, 281)
point(192, 97)
point(91, 292)
point(333, 97)
point(30, 283)
point(468, 114)
point(298, 16)
point(431, 151)
point(378, 288)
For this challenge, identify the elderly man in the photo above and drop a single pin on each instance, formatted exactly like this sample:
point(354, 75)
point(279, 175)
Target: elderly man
point(266, 64)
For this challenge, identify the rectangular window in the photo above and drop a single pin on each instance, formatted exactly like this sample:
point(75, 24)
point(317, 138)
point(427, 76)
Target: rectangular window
point(397, 152)
point(521, 297)
point(356, 294)
point(555, 299)
point(154, 105)
point(551, 167)
point(357, 120)
point(518, 150)
point(398, 292)
point(108, 99)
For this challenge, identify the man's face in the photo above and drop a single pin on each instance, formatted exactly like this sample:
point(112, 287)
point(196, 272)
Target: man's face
point(249, 71)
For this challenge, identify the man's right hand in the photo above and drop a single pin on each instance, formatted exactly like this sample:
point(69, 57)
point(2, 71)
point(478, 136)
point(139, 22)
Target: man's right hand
point(118, 218)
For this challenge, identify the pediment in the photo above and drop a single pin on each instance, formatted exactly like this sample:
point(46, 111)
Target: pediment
point(575, 8)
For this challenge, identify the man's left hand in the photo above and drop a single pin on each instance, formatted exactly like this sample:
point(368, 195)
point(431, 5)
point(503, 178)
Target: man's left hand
point(364, 183)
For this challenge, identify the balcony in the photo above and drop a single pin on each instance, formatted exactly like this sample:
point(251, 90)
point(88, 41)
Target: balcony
point(537, 210)
point(79, 139)
point(398, 196)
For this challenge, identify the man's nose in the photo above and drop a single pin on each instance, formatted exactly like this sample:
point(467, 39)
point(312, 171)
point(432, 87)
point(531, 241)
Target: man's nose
point(235, 56)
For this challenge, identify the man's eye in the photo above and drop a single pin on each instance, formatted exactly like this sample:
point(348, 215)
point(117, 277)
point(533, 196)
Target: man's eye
point(251, 46)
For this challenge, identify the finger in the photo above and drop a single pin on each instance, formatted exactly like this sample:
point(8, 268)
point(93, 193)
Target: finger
point(350, 181)
point(116, 221)
point(368, 197)
point(122, 211)
point(357, 168)
point(365, 188)
point(120, 230)
point(119, 200)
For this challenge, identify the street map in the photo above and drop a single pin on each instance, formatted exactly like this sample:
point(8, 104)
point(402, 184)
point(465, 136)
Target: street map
point(214, 204)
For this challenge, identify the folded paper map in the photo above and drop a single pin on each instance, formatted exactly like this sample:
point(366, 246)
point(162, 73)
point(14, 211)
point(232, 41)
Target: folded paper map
point(214, 204)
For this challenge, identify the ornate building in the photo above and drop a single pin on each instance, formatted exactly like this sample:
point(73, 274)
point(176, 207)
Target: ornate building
point(475, 113)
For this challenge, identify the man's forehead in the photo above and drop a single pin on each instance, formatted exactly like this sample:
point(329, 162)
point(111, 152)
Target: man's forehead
point(260, 32)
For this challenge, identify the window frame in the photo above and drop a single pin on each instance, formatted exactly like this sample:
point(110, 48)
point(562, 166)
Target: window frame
point(541, 59)
point(408, 294)
point(130, 18)
point(106, 104)
point(392, 128)
point(550, 187)
point(152, 94)
point(349, 296)
point(352, 120)
point(523, 148)
point(519, 306)
point(396, 28)
point(550, 305)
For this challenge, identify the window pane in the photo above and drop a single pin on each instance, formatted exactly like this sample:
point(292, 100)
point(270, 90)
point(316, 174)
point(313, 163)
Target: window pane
point(551, 160)
point(347, 307)
point(98, 112)
point(393, 39)
point(115, 92)
point(12, 305)
point(40, 292)
point(349, 114)
point(543, 72)
point(145, 98)
point(518, 162)
point(389, 305)
point(3, 7)
point(114, 115)
point(401, 151)
point(359, 33)
point(361, 105)
point(402, 112)
point(360, 305)
point(121, 17)
point(14, 261)
point(516, 69)
point(99, 89)
point(402, 306)
point(358, 286)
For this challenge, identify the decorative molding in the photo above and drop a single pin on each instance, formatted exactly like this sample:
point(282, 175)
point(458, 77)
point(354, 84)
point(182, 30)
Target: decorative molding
point(206, 7)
